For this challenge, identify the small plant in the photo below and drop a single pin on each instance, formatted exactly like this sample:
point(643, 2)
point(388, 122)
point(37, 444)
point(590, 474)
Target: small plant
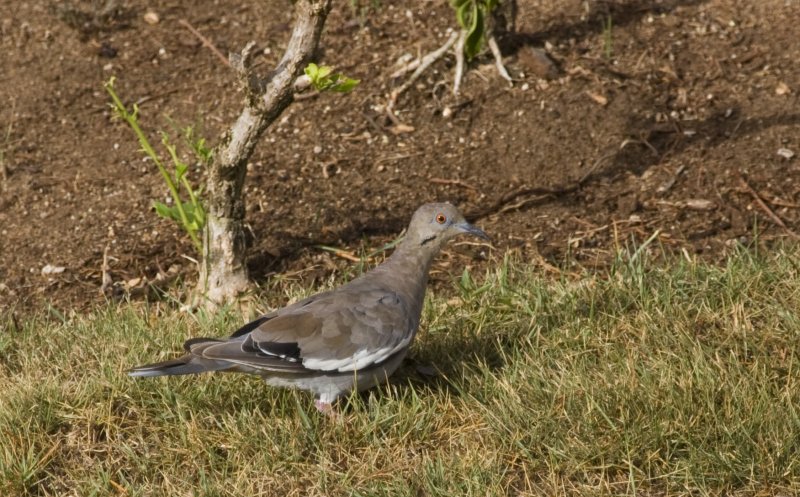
point(6, 146)
point(362, 8)
point(471, 16)
point(608, 42)
point(323, 79)
point(189, 214)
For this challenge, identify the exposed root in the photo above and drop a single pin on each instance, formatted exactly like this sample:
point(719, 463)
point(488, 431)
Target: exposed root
point(424, 63)
point(420, 65)
point(462, 38)
point(498, 60)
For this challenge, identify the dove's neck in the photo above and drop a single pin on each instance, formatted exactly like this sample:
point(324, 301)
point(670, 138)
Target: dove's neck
point(407, 270)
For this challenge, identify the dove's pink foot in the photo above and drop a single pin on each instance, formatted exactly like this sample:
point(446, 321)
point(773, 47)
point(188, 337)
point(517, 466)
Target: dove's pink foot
point(325, 408)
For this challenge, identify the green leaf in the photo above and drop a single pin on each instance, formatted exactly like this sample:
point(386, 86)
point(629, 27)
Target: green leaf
point(195, 215)
point(202, 151)
point(343, 84)
point(472, 44)
point(324, 71)
point(322, 79)
point(180, 170)
point(462, 14)
point(166, 212)
point(311, 71)
point(466, 280)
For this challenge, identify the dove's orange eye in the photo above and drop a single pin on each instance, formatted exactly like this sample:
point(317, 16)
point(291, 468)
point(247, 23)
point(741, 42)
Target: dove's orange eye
point(441, 218)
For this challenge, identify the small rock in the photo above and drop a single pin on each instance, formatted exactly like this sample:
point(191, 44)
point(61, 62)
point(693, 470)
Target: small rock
point(50, 269)
point(404, 59)
point(317, 149)
point(401, 128)
point(107, 51)
point(785, 153)
point(700, 204)
point(600, 99)
point(151, 17)
point(447, 112)
point(782, 89)
point(538, 63)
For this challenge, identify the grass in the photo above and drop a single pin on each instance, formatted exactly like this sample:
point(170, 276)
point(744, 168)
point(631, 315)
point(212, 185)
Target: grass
point(661, 379)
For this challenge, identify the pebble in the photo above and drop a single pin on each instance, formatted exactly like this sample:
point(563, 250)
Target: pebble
point(700, 204)
point(50, 269)
point(151, 17)
point(785, 153)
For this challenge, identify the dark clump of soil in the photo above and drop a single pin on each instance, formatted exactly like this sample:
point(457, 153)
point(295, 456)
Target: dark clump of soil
point(626, 118)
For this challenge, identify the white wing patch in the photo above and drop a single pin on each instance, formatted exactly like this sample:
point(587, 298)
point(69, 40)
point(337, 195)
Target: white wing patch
point(361, 359)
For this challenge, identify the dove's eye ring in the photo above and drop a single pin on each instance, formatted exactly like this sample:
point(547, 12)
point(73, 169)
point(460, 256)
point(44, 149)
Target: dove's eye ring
point(441, 218)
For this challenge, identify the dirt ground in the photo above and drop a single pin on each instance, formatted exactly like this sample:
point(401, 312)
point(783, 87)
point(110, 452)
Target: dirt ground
point(679, 117)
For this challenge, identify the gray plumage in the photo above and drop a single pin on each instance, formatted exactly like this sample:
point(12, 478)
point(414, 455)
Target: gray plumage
point(352, 337)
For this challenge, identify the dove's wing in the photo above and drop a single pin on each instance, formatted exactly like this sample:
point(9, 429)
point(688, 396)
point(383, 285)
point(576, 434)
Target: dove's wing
point(340, 331)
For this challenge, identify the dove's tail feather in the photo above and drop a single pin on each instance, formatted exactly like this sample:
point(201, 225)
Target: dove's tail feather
point(187, 364)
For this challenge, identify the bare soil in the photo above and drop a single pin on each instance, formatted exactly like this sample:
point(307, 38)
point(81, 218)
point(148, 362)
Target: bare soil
point(659, 117)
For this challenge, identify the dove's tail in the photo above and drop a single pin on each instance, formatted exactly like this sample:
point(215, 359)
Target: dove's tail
point(186, 364)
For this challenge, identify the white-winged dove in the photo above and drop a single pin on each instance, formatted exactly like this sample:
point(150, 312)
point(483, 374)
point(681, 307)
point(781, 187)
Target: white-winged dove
point(352, 337)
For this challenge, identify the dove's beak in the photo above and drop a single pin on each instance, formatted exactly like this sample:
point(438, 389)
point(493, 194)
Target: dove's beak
point(472, 230)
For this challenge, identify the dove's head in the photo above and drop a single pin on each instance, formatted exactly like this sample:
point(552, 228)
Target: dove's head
point(434, 224)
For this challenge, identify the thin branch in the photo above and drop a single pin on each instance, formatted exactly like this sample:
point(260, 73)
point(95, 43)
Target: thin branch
point(266, 99)
point(305, 38)
point(764, 207)
point(205, 41)
point(455, 182)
